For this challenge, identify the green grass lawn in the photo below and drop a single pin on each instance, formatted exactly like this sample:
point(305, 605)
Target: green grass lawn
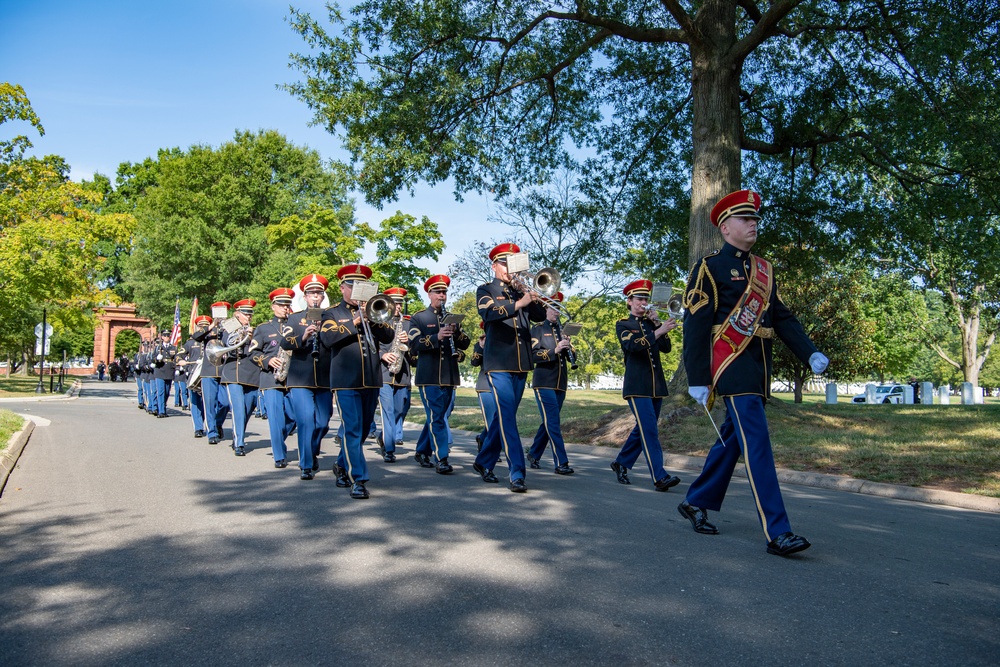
point(951, 447)
point(10, 423)
point(17, 385)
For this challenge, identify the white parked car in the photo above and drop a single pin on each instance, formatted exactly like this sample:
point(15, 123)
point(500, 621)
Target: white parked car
point(884, 393)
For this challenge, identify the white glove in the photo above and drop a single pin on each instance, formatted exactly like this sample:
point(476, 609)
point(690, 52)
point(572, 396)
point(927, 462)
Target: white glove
point(699, 394)
point(818, 362)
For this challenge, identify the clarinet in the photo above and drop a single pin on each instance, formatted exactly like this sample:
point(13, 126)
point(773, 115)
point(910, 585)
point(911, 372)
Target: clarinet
point(314, 341)
point(569, 354)
point(451, 339)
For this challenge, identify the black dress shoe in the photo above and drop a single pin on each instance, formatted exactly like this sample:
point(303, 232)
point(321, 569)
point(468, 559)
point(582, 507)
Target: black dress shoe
point(787, 544)
point(564, 469)
point(667, 482)
point(315, 467)
point(389, 457)
point(199, 434)
point(517, 486)
point(281, 463)
point(533, 463)
point(337, 440)
point(358, 491)
point(424, 460)
point(213, 441)
point(698, 518)
point(341, 476)
point(239, 451)
point(479, 443)
point(443, 467)
point(621, 471)
point(306, 474)
point(141, 406)
point(487, 475)
point(381, 445)
point(161, 415)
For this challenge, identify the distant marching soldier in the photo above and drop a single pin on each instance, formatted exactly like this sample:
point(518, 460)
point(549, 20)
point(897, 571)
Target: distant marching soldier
point(190, 353)
point(437, 346)
point(147, 378)
point(215, 398)
point(549, 381)
point(487, 404)
point(267, 355)
point(355, 375)
point(163, 371)
point(241, 375)
point(643, 340)
point(137, 361)
point(393, 394)
point(507, 313)
point(732, 315)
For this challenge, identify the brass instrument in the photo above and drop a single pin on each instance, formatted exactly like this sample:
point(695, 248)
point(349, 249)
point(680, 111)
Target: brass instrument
point(665, 300)
point(377, 310)
point(398, 348)
point(281, 372)
point(544, 283)
point(215, 352)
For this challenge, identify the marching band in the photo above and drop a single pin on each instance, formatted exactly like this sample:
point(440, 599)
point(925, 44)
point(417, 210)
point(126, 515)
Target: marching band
point(364, 352)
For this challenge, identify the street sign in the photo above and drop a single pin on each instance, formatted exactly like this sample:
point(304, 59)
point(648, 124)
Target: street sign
point(38, 346)
point(38, 330)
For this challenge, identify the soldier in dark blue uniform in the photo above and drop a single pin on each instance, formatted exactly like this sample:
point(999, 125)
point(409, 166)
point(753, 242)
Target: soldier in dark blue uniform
point(643, 340)
point(216, 399)
point(437, 346)
point(148, 389)
point(355, 375)
point(267, 354)
point(733, 313)
point(549, 382)
point(190, 353)
point(162, 360)
point(395, 385)
point(241, 375)
point(507, 314)
point(308, 378)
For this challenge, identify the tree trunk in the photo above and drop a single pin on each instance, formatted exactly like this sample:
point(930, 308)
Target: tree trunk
point(716, 169)
point(717, 132)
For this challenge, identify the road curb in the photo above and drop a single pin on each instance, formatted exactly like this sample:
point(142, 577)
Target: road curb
point(13, 452)
point(824, 481)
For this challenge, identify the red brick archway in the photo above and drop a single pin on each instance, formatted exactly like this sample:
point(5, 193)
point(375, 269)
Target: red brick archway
point(114, 319)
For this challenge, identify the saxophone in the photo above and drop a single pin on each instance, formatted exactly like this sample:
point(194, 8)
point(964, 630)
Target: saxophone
point(281, 372)
point(398, 348)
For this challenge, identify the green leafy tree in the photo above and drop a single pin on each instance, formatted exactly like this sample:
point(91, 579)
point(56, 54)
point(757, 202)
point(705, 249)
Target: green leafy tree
point(50, 233)
point(399, 241)
point(212, 221)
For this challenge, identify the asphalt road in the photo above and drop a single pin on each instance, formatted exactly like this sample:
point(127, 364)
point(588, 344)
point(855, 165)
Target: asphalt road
point(123, 540)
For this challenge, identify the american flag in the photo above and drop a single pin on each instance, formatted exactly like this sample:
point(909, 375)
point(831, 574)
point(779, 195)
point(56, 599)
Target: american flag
point(175, 335)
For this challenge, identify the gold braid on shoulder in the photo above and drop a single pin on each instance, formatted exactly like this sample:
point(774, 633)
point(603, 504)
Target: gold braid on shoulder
point(696, 297)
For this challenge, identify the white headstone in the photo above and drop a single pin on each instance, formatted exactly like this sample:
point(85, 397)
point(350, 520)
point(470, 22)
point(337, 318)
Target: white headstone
point(944, 394)
point(831, 393)
point(968, 397)
point(927, 393)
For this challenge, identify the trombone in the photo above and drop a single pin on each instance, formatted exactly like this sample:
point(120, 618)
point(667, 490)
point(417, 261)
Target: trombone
point(544, 283)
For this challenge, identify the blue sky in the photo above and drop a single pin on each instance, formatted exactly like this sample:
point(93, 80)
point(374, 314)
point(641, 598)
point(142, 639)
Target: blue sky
point(114, 81)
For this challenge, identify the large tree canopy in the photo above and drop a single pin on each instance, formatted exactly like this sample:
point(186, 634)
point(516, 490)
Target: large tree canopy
point(206, 216)
point(656, 100)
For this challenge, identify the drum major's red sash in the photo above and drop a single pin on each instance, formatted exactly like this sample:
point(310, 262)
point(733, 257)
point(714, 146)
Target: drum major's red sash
point(740, 325)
